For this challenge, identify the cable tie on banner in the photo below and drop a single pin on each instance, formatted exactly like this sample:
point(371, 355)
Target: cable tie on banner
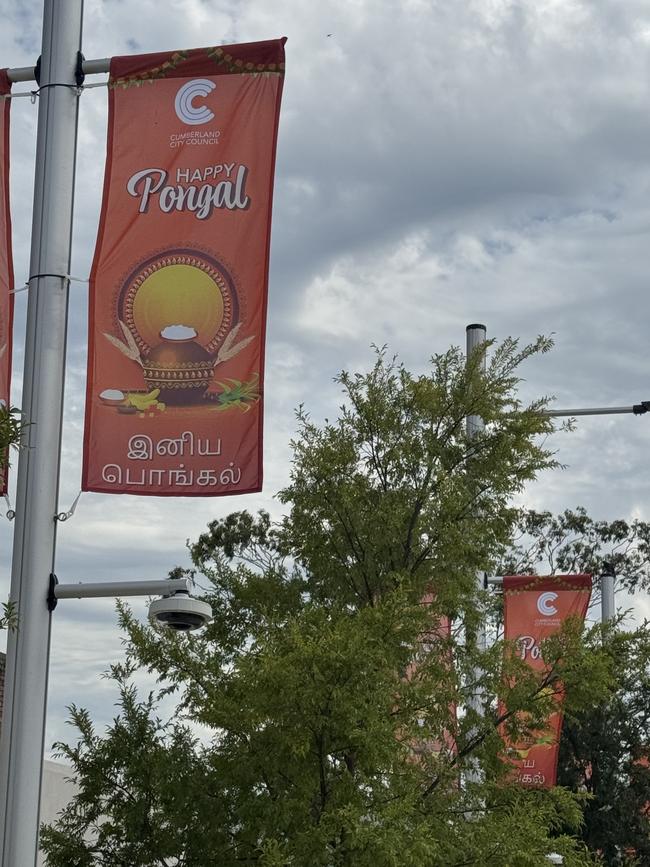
point(68, 277)
point(63, 516)
point(76, 87)
point(11, 513)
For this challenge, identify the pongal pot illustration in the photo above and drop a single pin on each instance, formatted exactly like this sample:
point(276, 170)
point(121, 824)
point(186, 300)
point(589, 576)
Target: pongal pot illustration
point(179, 366)
point(178, 317)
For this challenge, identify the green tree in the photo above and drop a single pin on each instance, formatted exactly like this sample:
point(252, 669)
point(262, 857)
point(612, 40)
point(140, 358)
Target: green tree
point(10, 428)
point(305, 711)
point(574, 542)
point(605, 752)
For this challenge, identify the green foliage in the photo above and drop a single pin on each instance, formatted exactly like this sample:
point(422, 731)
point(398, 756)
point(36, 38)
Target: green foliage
point(573, 542)
point(605, 750)
point(10, 429)
point(9, 616)
point(307, 710)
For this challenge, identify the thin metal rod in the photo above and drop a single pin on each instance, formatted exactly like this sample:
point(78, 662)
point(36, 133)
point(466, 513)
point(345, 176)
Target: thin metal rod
point(637, 409)
point(25, 700)
point(115, 589)
point(90, 67)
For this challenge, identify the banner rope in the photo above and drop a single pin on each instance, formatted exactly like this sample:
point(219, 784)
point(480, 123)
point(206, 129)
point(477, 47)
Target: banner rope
point(32, 94)
point(63, 516)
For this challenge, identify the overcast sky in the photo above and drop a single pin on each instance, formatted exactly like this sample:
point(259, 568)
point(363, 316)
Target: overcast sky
point(440, 162)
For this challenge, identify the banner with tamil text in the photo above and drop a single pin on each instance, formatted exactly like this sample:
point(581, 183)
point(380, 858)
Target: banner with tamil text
point(178, 286)
point(6, 265)
point(535, 607)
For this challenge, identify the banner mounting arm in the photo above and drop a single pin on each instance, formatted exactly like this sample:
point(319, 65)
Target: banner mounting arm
point(84, 67)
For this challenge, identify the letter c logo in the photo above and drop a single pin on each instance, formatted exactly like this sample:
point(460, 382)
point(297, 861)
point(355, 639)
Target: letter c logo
point(545, 603)
point(184, 102)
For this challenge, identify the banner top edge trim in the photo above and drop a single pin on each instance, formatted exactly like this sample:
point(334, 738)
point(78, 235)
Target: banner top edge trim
point(250, 58)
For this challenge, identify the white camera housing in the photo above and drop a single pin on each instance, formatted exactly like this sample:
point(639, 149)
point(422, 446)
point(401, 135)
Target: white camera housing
point(180, 612)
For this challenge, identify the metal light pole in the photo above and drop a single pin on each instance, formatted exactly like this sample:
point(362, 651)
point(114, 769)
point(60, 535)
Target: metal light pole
point(23, 729)
point(608, 594)
point(476, 337)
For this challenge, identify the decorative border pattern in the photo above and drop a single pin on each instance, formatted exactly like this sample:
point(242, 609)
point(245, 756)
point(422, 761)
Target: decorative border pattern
point(150, 75)
point(221, 58)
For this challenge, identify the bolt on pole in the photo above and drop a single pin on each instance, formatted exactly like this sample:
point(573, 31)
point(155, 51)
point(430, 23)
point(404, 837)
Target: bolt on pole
point(23, 730)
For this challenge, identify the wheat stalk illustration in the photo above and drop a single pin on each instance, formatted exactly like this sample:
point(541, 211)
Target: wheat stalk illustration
point(130, 348)
point(229, 348)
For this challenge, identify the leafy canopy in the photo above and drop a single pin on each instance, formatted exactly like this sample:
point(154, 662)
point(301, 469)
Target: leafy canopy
point(315, 720)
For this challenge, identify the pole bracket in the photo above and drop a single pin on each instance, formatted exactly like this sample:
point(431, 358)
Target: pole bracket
point(641, 408)
point(51, 593)
point(79, 74)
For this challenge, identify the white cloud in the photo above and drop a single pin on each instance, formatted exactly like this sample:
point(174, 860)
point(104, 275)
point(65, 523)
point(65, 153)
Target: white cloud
point(439, 163)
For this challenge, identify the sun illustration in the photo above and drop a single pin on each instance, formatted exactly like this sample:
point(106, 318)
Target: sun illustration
point(178, 318)
point(178, 294)
point(179, 288)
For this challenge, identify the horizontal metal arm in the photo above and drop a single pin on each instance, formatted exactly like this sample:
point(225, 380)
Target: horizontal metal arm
point(637, 409)
point(114, 589)
point(90, 67)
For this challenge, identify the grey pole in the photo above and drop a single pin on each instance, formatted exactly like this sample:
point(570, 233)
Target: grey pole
point(476, 336)
point(23, 729)
point(607, 594)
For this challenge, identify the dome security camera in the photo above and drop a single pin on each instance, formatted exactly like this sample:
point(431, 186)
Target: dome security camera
point(180, 612)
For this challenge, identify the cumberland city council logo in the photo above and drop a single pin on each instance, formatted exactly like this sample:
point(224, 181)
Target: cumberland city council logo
point(186, 109)
point(545, 603)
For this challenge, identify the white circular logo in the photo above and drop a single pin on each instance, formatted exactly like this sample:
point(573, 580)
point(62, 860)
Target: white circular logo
point(544, 603)
point(184, 102)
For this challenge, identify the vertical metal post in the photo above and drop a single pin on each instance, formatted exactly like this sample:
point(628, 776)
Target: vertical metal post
point(23, 729)
point(476, 336)
point(607, 594)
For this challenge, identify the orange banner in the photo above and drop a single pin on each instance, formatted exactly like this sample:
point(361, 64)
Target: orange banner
point(534, 609)
point(6, 265)
point(179, 280)
point(429, 641)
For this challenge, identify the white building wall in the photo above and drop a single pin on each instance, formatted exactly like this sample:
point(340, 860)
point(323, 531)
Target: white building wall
point(56, 793)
